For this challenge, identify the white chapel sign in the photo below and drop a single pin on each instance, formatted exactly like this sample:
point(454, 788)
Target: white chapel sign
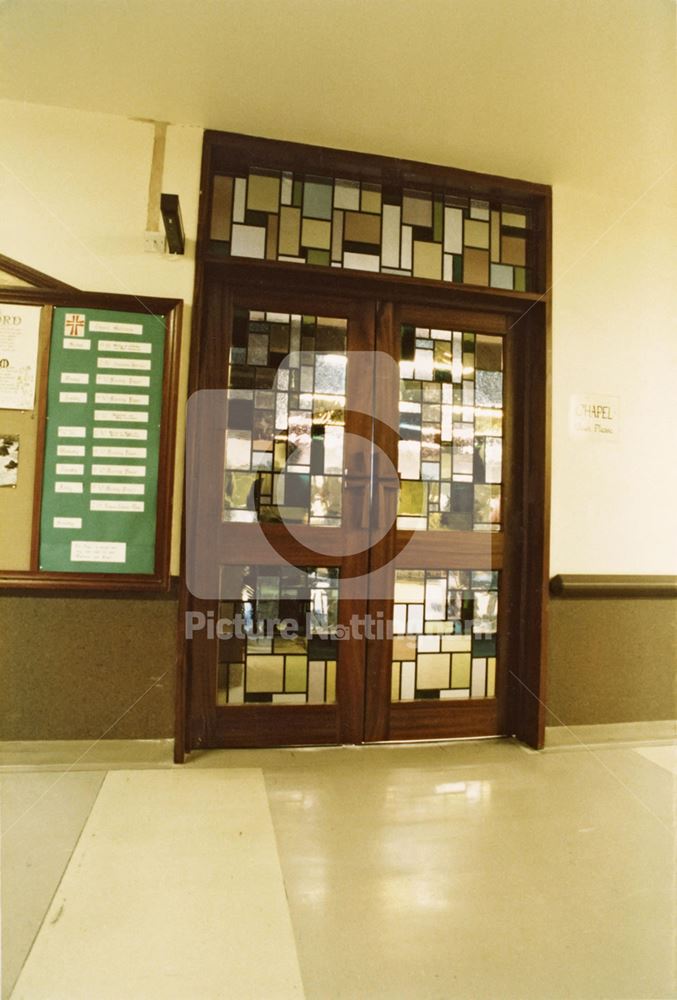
point(595, 417)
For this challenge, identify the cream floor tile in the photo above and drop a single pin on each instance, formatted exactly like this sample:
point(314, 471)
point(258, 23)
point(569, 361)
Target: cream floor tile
point(663, 756)
point(41, 817)
point(174, 891)
point(479, 876)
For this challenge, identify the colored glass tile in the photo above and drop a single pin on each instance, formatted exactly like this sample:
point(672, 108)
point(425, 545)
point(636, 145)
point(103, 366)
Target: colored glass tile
point(501, 276)
point(248, 241)
point(475, 267)
point(431, 657)
point(263, 193)
point(427, 260)
point(317, 199)
point(513, 250)
point(476, 234)
point(417, 209)
point(359, 227)
point(371, 198)
point(347, 195)
point(222, 203)
point(316, 234)
point(402, 238)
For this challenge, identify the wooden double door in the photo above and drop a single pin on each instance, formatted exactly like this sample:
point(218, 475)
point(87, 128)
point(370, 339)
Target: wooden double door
point(354, 520)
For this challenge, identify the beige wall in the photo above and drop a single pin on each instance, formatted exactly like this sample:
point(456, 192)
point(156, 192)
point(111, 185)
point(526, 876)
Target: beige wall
point(579, 95)
point(73, 204)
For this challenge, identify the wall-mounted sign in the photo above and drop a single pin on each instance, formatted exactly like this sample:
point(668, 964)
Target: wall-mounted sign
point(19, 329)
point(593, 416)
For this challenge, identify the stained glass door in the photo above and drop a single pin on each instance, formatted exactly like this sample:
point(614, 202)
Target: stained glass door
point(292, 489)
point(441, 671)
point(359, 575)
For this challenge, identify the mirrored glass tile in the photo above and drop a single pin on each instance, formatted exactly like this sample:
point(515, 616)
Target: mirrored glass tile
point(487, 508)
point(489, 389)
point(435, 598)
point(399, 619)
point(415, 618)
point(409, 459)
point(325, 497)
point(488, 422)
point(330, 374)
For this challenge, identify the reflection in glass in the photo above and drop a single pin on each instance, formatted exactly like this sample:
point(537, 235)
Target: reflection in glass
point(286, 418)
point(277, 639)
point(450, 452)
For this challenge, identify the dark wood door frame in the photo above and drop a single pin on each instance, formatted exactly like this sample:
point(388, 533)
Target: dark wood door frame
point(528, 315)
point(525, 579)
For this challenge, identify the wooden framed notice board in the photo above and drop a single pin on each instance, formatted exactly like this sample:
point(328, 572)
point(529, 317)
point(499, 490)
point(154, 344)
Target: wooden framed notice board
point(88, 395)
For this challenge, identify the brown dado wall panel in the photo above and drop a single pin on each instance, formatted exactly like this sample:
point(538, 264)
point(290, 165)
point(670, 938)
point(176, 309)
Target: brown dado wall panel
point(70, 667)
point(81, 667)
point(612, 660)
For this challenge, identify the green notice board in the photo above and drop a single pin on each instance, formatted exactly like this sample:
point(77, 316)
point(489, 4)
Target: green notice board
point(102, 442)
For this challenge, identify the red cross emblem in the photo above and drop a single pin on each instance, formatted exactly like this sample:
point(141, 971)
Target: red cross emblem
point(74, 325)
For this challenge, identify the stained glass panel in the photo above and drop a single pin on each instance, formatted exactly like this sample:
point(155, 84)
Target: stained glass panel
point(445, 630)
point(286, 418)
point(335, 222)
point(450, 453)
point(277, 640)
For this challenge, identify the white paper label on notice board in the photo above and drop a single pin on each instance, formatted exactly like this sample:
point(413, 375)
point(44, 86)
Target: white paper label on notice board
point(595, 417)
point(100, 552)
point(102, 326)
point(19, 329)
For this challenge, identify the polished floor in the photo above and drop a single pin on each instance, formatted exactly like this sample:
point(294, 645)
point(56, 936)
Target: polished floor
point(476, 870)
